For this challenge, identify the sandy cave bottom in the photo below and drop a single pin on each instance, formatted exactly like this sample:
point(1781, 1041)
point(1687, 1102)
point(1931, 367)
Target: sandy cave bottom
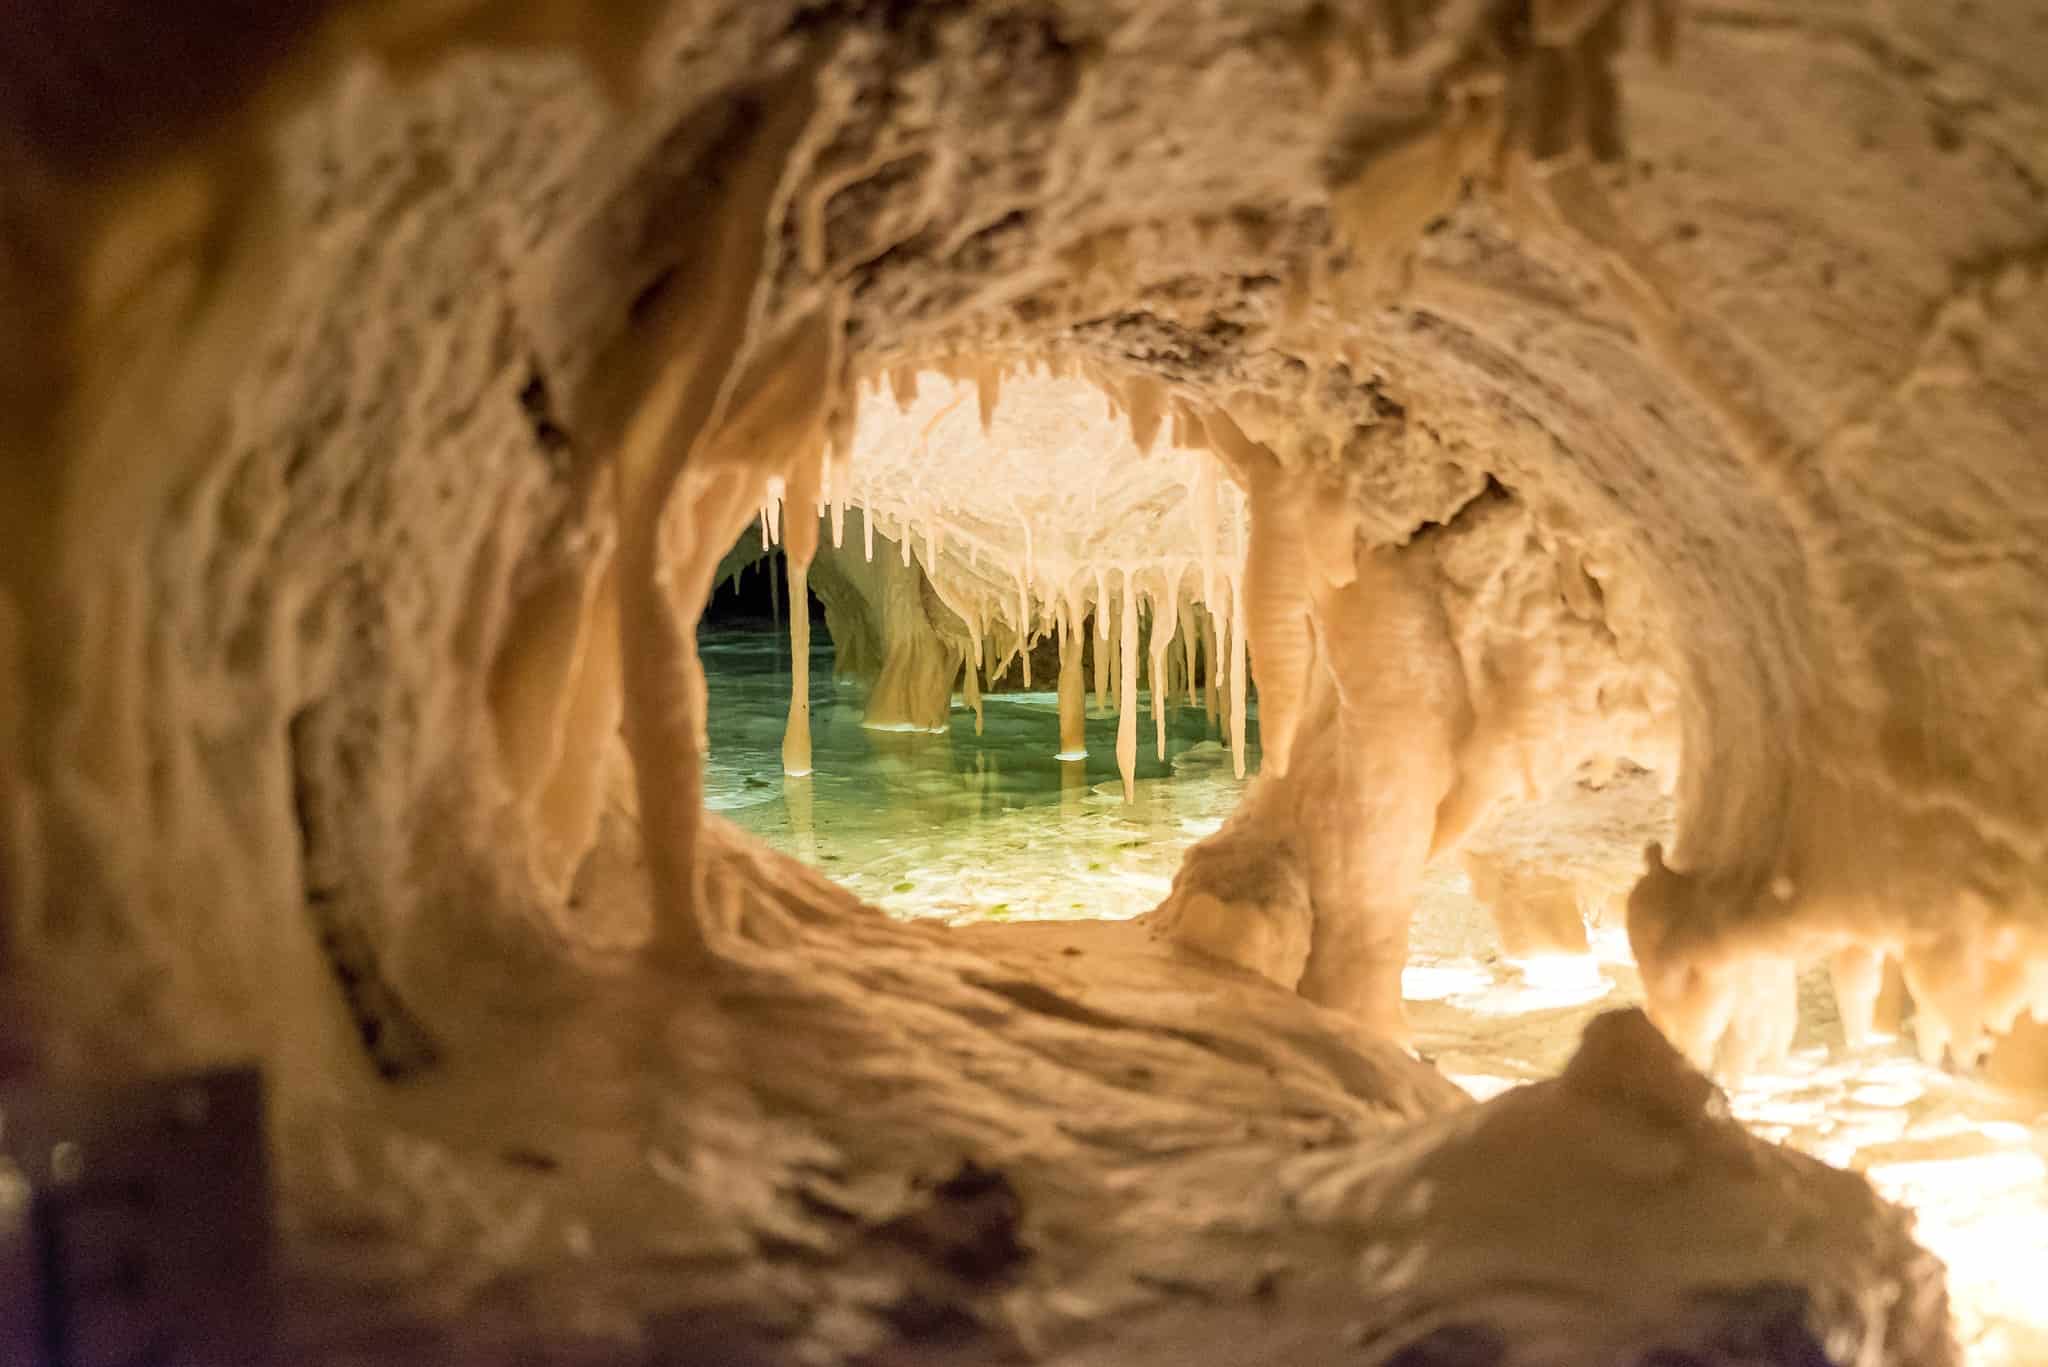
point(971, 829)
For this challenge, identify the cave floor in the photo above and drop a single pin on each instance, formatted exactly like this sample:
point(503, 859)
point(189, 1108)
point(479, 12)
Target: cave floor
point(992, 828)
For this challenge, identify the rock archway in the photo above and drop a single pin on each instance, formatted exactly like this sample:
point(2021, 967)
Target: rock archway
point(384, 393)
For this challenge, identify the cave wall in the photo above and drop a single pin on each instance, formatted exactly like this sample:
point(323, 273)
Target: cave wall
point(341, 396)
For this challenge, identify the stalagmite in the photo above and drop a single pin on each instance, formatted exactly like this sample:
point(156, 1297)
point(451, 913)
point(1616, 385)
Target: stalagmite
point(1127, 692)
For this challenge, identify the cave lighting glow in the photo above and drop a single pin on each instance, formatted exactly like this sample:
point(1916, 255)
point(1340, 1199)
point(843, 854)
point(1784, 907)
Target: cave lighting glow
point(1000, 827)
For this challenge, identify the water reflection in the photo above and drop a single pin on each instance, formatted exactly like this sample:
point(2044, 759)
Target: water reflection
point(960, 826)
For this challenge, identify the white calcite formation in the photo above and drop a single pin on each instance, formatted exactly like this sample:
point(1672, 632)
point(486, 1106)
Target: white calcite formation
point(1035, 509)
point(1499, 391)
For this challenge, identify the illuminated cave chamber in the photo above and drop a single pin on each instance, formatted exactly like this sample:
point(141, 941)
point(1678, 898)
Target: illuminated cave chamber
point(1040, 508)
point(1525, 405)
point(974, 547)
point(977, 551)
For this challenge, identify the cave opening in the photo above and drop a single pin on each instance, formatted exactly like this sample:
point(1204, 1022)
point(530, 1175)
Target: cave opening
point(998, 795)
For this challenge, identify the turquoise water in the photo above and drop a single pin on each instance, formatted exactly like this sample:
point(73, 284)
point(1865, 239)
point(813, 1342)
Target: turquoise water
point(961, 826)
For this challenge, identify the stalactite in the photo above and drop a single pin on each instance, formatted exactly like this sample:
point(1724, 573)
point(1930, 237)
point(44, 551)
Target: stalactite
point(1205, 497)
point(1127, 692)
point(1024, 625)
point(1239, 675)
point(971, 683)
point(1165, 621)
point(1273, 624)
point(1213, 659)
point(1115, 653)
point(796, 734)
point(1146, 403)
point(1101, 648)
point(988, 392)
point(1858, 976)
point(1191, 663)
point(804, 480)
point(903, 385)
point(1225, 640)
point(1076, 604)
point(1073, 697)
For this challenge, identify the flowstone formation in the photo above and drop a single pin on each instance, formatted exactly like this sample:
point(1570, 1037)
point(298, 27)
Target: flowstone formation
point(1511, 388)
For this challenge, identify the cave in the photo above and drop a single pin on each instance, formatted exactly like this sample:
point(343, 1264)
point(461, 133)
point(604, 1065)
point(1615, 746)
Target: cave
point(760, 681)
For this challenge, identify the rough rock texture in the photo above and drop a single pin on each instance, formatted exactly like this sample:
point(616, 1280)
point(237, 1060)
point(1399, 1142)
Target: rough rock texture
point(370, 371)
point(1447, 676)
